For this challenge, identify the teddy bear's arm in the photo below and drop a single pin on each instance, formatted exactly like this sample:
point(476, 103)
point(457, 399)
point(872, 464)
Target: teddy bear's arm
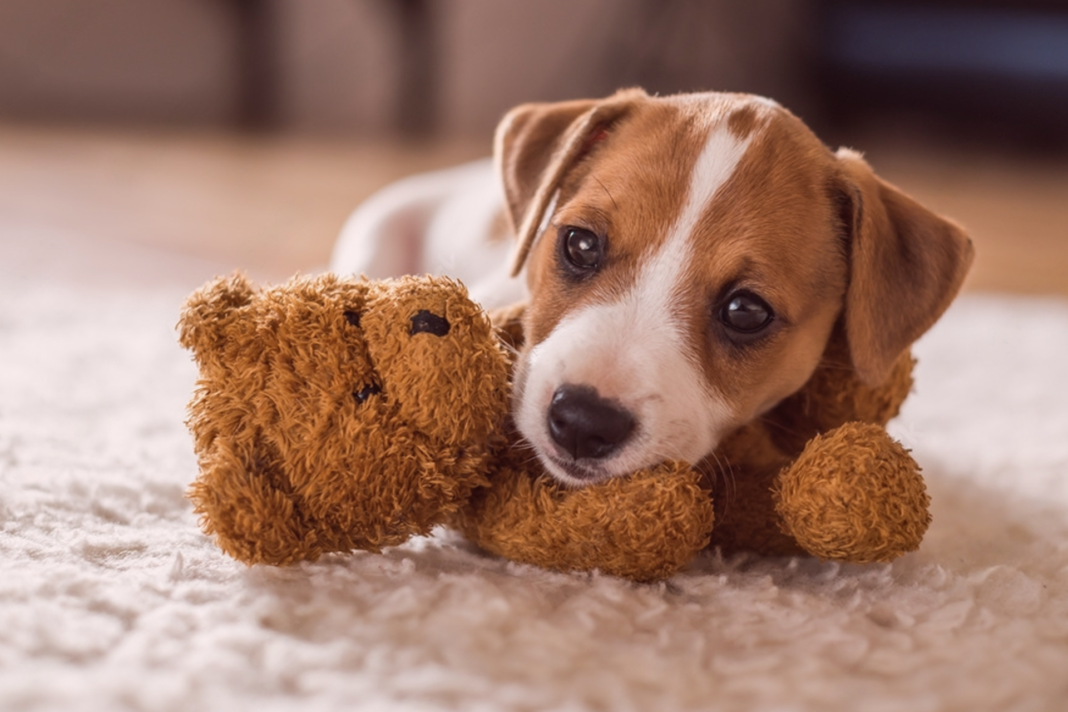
point(853, 495)
point(644, 527)
point(249, 517)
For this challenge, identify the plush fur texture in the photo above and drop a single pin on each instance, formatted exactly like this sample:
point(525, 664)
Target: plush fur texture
point(334, 415)
point(323, 423)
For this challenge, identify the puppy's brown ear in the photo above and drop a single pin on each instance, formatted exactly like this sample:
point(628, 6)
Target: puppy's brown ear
point(906, 266)
point(534, 147)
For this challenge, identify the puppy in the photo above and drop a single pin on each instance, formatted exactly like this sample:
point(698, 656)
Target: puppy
point(684, 260)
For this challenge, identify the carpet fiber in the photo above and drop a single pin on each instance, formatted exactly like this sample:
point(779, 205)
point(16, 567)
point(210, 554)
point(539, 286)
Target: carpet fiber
point(111, 599)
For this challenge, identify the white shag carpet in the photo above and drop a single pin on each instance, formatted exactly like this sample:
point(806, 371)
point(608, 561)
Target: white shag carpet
point(111, 599)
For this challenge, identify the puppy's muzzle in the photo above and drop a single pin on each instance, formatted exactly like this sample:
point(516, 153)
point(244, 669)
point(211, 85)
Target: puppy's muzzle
point(586, 426)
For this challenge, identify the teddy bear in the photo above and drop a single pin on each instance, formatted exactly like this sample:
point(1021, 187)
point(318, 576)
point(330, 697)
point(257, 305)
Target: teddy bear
point(337, 414)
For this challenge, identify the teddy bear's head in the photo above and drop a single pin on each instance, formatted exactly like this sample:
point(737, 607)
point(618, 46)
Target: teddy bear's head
point(334, 414)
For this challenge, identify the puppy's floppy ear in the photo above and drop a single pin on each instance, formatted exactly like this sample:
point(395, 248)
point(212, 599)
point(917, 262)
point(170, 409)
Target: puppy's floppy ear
point(906, 266)
point(534, 147)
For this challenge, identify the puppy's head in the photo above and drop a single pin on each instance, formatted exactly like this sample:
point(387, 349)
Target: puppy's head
point(687, 259)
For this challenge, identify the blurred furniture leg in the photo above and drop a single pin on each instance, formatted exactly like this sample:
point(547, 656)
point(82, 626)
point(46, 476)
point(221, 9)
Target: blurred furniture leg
point(258, 85)
point(416, 102)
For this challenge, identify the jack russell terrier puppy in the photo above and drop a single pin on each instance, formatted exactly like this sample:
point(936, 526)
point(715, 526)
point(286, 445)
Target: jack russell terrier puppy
point(684, 260)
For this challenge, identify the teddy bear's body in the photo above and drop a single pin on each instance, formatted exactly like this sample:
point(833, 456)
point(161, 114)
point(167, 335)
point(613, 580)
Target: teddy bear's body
point(334, 415)
point(325, 418)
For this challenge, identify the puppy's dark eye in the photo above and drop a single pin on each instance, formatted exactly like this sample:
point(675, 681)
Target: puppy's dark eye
point(352, 317)
point(582, 249)
point(746, 313)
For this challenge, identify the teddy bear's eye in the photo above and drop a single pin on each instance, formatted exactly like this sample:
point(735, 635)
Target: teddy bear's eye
point(365, 393)
point(352, 317)
point(426, 322)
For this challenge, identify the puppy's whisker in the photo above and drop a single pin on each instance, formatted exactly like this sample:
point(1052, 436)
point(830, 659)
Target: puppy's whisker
point(730, 486)
point(606, 192)
point(718, 470)
point(772, 424)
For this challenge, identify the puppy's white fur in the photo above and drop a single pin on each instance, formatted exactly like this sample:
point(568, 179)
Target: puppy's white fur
point(443, 222)
point(636, 351)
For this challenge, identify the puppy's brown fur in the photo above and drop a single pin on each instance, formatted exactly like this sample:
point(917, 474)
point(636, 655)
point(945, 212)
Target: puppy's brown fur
point(813, 232)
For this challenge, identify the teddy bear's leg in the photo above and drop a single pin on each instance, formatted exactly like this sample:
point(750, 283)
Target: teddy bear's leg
point(644, 527)
point(855, 495)
point(250, 518)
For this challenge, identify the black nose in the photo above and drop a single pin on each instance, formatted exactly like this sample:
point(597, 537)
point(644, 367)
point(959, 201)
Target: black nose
point(586, 425)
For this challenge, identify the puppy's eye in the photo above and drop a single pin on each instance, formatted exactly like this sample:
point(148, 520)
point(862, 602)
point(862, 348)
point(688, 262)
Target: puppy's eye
point(746, 313)
point(352, 317)
point(582, 249)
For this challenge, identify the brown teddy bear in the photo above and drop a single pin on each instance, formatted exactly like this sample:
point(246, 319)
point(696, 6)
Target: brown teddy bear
point(337, 414)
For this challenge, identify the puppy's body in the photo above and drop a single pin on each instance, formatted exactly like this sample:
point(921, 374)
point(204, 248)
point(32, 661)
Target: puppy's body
point(687, 259)
point(447, 222)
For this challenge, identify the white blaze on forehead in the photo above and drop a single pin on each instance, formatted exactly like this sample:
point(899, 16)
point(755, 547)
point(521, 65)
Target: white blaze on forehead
point(660, 282)
point(637, 349)
point(716, 163)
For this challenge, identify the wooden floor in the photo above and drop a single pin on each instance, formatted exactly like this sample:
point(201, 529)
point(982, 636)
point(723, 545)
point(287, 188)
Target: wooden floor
point(273, 205)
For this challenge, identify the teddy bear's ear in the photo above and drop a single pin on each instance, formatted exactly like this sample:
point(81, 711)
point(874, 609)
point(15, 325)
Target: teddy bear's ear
point(208, 312)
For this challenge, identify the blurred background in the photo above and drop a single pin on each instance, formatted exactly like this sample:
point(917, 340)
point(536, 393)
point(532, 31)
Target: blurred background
point(244, 131)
